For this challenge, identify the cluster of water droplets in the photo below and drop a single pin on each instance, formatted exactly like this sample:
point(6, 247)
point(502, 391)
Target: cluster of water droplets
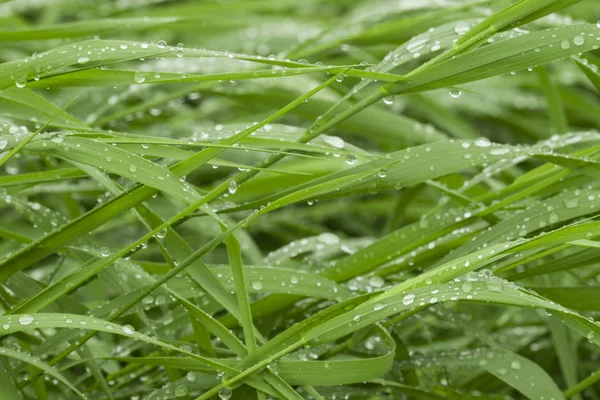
point(500, 362)
point(324, 241)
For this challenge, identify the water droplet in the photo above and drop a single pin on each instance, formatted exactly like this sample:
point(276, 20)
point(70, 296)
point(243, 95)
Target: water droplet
point(482, 142)
point(83, 60)
point(161, 44)
point(256, 285)
point(350, 159)
point(376, 281)
point(565, 44)
point(378, 306)
point(515, 364)
point(454, 93)
point(26, 319)
point(21, 82)
point(416, 45)
point(572, 203)
point(388, 100)
point(467, 287)
point(232, 187)
point(104, 252)
point(328, 238)
point(162, 233)
point(382, 173)
point(132, 168)
point(181, 390)
point(225, 394)
point(461, 28)
point(553, 217)
point(139, 76)
point(3, 144)
point(191, 376)
point(494, 286)
point(58, 139)
point(499, 151)
point(408, 299)
point(579, 40)
point(128, 329)
point(590, 335)
point(334, 141)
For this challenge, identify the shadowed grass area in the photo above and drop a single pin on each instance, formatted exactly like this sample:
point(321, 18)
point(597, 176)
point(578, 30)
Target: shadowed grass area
point(323, 199)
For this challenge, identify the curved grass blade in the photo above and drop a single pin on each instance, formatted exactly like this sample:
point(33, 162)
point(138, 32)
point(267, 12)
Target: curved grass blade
point(517, 371)
point(4, 351)
point(535, 48)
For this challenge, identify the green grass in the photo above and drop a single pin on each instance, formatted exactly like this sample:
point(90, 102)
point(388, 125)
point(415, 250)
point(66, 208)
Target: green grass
point(321, 199)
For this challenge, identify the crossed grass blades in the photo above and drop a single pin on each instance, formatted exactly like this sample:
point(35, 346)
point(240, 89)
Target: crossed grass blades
point(299, 200)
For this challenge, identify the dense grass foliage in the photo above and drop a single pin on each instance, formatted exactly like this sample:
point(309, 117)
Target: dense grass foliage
point(317, 199)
